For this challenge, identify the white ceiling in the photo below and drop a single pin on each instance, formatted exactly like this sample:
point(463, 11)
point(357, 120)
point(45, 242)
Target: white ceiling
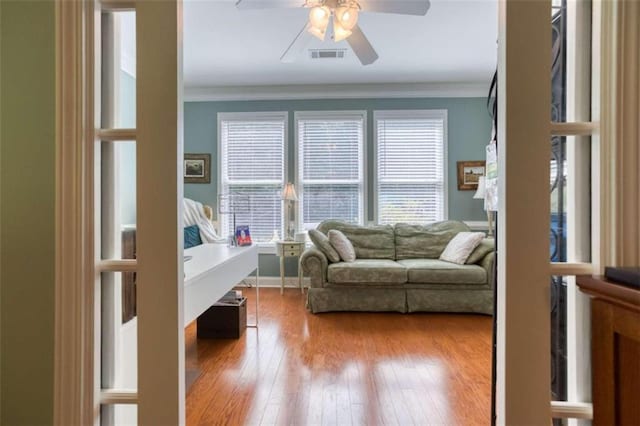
point(454, 43)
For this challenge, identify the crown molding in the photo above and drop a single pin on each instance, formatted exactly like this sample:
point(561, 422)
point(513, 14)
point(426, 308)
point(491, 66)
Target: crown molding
point(336, 91)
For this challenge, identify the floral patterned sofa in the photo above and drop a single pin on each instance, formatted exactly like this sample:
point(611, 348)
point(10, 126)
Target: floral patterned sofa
point(397, 269)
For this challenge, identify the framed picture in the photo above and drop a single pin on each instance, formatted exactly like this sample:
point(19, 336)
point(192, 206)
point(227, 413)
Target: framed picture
point(197, 168)
point(243, 236)
point(469, 173)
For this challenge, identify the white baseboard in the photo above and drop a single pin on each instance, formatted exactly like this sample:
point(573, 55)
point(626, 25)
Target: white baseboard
point(275, 282)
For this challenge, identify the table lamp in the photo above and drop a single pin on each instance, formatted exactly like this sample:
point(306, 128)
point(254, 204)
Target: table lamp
point(480, 195)
point(289, 196)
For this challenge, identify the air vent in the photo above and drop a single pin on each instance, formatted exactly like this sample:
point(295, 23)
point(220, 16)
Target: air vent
point(327, 53)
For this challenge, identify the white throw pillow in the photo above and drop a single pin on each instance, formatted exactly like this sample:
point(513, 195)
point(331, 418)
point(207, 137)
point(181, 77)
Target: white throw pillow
point(343, 246)
point(460, 247)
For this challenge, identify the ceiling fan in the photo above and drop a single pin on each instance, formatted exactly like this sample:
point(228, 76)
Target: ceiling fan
point(340, 18)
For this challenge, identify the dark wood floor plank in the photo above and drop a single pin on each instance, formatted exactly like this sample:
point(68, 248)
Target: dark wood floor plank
point(342, 368)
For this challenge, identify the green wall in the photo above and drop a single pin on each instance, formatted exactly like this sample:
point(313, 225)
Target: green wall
point(27, 211)
point(469, 128)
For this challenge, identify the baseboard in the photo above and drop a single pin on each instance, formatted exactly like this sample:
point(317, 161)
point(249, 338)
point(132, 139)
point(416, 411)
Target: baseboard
point(275, 282)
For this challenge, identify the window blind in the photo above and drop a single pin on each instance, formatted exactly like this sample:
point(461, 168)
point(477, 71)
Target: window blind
point(330, 167)
point(410, 166)
point(252, 164)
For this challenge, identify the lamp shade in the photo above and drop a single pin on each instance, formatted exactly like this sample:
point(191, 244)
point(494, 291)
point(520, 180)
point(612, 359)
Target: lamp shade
point(480, 191)
point(289, 193)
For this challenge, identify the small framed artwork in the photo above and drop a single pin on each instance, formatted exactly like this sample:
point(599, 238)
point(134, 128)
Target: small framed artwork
point(197, 168)
point(243, 236)
point(469, 173)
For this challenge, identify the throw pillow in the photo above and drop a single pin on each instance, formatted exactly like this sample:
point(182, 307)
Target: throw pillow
point(485, 247)
point(342, 245)
point(324, 245)
point(461, 246)
point(192, 236)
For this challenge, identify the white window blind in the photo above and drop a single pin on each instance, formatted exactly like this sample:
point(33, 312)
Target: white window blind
point(252, 163)
point(410, 166)
point(330, 166)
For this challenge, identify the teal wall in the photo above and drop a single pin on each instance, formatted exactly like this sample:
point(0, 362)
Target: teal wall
point(469, 129)
point(27, 211)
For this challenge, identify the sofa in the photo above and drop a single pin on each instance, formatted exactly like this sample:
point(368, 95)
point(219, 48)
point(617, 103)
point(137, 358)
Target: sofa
point(397, 269)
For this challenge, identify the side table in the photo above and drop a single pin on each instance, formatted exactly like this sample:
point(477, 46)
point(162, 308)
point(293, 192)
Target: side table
point(286, 249)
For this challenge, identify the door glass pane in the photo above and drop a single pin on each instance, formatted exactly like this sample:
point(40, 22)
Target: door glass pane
point(119, 415)
point(571, 61)
point(119, 331)
point(570, 187)
point(119, 70)
point(558, 339)
point(558, 188)
point(558, 60)
point(118, 199)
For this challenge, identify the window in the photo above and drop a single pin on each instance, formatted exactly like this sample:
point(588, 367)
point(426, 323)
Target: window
point(252, 163)
point(330, 160)
point(410, 166)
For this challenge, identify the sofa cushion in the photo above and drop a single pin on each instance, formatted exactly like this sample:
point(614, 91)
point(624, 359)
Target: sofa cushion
point(425, 241)
point(369, 242)
point(485, 247)
point(434, 271)
point(322, 243)
point(367, 271)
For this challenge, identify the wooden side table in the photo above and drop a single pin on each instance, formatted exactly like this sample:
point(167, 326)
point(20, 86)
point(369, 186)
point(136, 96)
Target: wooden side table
point(286, 249)
point(615, 350)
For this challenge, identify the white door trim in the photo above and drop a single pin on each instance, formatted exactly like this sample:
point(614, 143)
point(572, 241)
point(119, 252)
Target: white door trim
point(159, 245)
point(523, 323)
point(73, 396)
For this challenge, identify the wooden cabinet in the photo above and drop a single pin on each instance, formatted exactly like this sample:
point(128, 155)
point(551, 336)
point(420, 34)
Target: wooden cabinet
point(615, 351)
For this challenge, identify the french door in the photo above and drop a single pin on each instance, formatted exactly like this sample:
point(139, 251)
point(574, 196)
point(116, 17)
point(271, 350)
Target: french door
point(119, 325)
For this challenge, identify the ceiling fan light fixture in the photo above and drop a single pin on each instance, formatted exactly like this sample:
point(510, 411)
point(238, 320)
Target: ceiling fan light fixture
point(347, 15)
point(339, 32)
point(320, 33)
point(319, 21)
point(319, 16)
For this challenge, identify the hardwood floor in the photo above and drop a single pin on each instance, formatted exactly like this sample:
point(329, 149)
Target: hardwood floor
point(342, 368)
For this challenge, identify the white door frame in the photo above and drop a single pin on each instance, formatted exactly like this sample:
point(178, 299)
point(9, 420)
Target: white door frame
point(524, 94)
point(161, 397)
point(74, 310)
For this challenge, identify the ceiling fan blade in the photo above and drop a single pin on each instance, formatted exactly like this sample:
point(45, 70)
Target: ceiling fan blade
point(402, 7)
point(361, 46)
point(269, 4)
point(298, 45)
